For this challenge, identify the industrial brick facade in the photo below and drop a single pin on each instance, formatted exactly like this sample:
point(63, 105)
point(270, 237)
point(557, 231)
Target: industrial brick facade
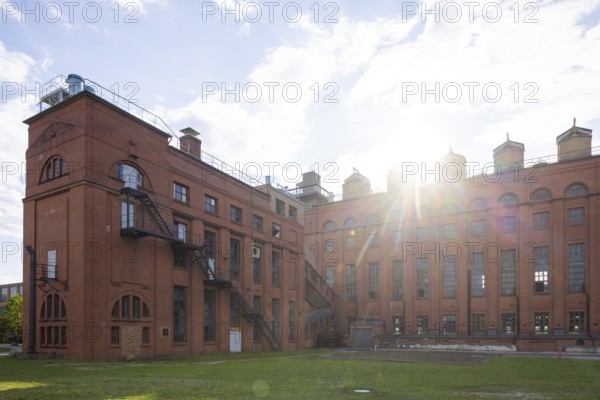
point(145, 249)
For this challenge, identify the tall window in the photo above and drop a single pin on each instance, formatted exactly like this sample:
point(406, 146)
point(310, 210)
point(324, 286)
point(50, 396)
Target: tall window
point(276, 230)
point(350, 242)
point(422, 324)
point(373, 240)
point(210, 311)
point(422, 278)
point(576, 322)
point(449, 278)
point(292, 329)
point(257, 223)
point(53, 326)
point(540, 269)
point(210, 248)
point(477, 227)
point(330, 276)
point(292, 213)
point(448, 231)
point(477, 324)
point(210, 204)
point(421, 234)
point(181, 231)
point(373, 280)
point(508, 224)
point(131, 176)
point(576, 267)
point(180, 192)
point(508, 272)
point(234, 312)
point(257, 267)
point(449, 321)
point(55, 168)
point(275, 316)
point(280, 207)
point(179, 314)
point(236, 214)
point(51, 268)
point(397, 279)
point(396, 238)
point(275, 269)
point(477, 275)
point(509, 323)
point(234, 258)
point(541, 322)
point(576, 216)
point(541, 220)
point(350, 283)
point(127, 215)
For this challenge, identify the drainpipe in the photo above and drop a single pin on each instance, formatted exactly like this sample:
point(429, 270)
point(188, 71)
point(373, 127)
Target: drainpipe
point(32, 328)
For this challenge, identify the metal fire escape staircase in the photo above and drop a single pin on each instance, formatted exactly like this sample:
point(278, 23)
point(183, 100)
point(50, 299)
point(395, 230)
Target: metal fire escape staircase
point(137, 228)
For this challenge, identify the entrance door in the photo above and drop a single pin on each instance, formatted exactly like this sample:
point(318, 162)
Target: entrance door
point(235, 341)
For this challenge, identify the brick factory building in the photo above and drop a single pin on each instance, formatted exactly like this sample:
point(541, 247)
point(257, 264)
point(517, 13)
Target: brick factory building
point(141, 244)
point(508, 256)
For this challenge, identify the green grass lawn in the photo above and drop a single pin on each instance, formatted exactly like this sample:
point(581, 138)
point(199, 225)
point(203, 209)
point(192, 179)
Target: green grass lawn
point(298, 375)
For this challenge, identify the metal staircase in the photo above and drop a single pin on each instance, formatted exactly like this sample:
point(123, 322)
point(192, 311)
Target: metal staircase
point(139, 228)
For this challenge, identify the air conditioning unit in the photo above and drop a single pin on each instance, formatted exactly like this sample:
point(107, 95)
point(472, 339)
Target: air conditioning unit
point(255, 252)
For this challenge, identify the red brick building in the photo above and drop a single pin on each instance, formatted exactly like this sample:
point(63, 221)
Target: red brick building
point(504, 256)
point(140, 244)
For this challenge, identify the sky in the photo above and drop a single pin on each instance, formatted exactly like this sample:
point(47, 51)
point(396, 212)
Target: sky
point(281, 87)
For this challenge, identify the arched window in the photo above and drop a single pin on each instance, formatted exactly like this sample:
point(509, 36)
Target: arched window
point(540, 195)
point(372, 219)
point(508, 199)
point(53, 326)
point(350, 223)
point(576, 189)
point(130, 175)
point(127, 310)
point(329, 226)
point(54, 168)
point(478, 204)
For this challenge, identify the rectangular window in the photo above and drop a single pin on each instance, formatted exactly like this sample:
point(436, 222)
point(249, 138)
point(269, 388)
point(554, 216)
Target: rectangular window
point(449, 321)
point(114, 336)
point(576, 216)
point(576, 322)
point(127, 217)
point(280, 207)
point(373, 281)
point(145, 335)
point(541, 220)
point(210, 247)
point(540, 269)
point(576, 267)
point(508, 268)
point(179, 314)
point(234, 312)
point(541, 322)
point(477, 275)
point(508, 224)
point(373, 239)
point(51, 271)
point(275, 269)
point(234, 258)
point(350, 283)
point(4, 296)
point(210, 312)
point(257, 267)
point(292, 213)
point(210, 204)
point(256, 304)
point(236, 214)
point(275, 316)
point(509, 323)
point(350, 242)
point(276, 230)
point(396, 238)
point(477, 227)
point(181, 231)
point(397, 324)
point(421, 234)
point(292, 329)
point(180, 193)
point(422, 278)
point(330, 276)
point(449, 278)
point(397, 280)
point(477, 324)
point(448, 231)
point(257, 223)
point(422, 324)
point(179, 258)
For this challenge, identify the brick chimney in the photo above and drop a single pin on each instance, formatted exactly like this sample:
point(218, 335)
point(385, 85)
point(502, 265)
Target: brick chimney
point(189, 142)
